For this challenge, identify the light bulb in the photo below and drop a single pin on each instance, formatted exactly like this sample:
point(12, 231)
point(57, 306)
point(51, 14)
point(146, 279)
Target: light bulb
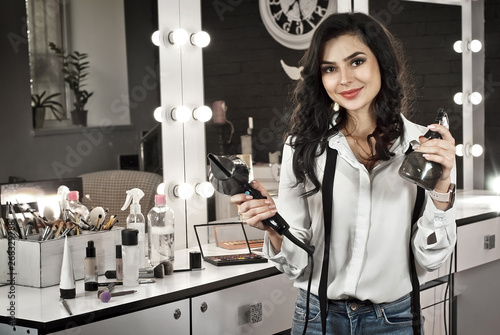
point(200, 39)
point(202, 113)
point(157, 114)
point(475, 45)
point(457, 46)
point(468, 150)
point(178, 37)
point(184, 191)
point(205, 189)
point(155, 38)
point(458, 98)
point(475, 98)
point(181, 113)
point(476, 150)
point(495, 185)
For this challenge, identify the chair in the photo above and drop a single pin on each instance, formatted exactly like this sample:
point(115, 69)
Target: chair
point(108, 190)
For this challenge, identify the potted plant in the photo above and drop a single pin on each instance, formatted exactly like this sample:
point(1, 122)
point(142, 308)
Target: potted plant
point(75, 70)
point(39, 104)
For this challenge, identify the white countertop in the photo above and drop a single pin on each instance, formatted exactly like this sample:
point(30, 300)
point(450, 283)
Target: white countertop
point(42, 306)
point(476, 202)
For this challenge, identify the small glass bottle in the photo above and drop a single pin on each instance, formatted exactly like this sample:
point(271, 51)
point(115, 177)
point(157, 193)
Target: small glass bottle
point(76, 206)
point(119, 263)
point(90, 268)
point(130, 257)
point(161, 231)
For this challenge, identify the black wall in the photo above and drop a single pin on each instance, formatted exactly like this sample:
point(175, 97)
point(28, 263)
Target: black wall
point(492, 89)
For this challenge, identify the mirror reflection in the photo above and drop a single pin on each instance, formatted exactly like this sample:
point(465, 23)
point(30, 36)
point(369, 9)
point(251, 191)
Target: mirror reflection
point(71, 61)
point(113, 136)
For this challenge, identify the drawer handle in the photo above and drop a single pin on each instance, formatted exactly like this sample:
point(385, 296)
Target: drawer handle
point(177, 314)
point(203, 307)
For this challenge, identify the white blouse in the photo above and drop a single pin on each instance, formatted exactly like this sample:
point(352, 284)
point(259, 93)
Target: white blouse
point(371, 221)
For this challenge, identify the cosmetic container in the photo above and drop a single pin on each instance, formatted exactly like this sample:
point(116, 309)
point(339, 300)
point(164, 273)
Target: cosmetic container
point(90, 268)
point(76, 206)
point(161, 232)
point(135, 220)
point(119, 263)
point(418, 170)
point(130, 256)
point(67, 288)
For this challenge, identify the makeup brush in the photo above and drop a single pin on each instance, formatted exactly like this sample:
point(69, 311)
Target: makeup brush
point(105, 295)
point(60, 225)
point(14, 219)
point(28, 223)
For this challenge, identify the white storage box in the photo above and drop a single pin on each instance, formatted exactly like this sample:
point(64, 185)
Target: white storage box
point(38, 263)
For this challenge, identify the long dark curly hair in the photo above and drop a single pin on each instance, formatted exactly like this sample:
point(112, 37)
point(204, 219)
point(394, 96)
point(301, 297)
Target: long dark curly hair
point(311, 121)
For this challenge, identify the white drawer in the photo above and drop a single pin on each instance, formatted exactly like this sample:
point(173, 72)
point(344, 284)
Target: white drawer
point(228, 311)
point(471, 249)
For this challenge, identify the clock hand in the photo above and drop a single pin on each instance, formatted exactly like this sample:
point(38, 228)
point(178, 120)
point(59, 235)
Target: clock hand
point(300, 11)
point(291, 7)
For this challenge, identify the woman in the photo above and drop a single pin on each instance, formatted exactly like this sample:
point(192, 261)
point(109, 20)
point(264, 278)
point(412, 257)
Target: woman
point(351, 100)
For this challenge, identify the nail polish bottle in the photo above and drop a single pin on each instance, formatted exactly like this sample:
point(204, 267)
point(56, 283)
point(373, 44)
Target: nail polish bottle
point(418, 170)
point(90, 268)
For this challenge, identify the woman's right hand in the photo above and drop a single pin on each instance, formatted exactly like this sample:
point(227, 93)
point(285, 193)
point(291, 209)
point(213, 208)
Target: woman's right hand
point(254, 211)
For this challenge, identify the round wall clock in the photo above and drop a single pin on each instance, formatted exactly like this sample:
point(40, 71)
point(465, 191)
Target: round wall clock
point(292, 22)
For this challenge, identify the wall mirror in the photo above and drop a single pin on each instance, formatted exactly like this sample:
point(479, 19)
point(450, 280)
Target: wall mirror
point(86, 27)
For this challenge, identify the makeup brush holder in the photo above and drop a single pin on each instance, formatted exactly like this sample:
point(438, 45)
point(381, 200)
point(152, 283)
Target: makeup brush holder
point(38, 263)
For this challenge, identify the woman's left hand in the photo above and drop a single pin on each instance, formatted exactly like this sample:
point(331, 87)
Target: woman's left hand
point(441, 151)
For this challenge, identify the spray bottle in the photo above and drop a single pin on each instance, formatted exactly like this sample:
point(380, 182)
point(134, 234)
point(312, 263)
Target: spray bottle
point(135, 220)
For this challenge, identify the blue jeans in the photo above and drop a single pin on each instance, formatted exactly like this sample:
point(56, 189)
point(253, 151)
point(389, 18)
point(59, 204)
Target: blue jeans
point(354, 317)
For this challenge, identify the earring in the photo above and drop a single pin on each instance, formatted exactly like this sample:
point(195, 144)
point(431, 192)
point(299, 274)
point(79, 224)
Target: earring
point(335, 107)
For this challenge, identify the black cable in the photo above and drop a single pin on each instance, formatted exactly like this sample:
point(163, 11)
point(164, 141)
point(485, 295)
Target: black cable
point(446, 292)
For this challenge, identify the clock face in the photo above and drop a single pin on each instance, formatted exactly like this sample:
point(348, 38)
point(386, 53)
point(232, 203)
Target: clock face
point(292, 22)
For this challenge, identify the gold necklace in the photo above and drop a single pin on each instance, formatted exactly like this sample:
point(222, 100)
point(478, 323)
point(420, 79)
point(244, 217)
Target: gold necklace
point(369, 154)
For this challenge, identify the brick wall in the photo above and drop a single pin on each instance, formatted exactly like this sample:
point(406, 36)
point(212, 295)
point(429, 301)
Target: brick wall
point(242, 67)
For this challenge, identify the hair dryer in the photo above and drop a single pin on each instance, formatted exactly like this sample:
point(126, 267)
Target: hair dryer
point(229, 176)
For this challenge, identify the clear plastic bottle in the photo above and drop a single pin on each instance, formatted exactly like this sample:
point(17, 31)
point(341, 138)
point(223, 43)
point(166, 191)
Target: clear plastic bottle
point(130, 256)
point(161, 232)
point(76, 206)
point(135, 220)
